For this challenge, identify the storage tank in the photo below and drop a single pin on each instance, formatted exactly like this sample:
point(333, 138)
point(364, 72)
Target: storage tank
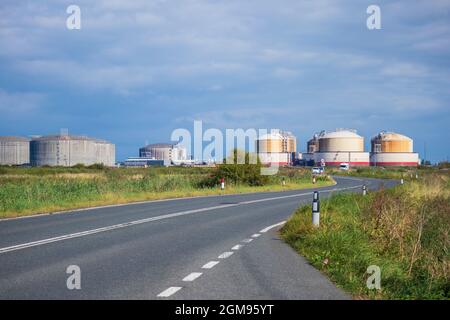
point(341, 140)
point(277, 147)
point(14, 150)
point(68, 150)
point(341, 146)
point(392, 149)
point(164, 151)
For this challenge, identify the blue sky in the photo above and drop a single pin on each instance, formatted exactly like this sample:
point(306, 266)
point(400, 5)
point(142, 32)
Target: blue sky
point(139, 69)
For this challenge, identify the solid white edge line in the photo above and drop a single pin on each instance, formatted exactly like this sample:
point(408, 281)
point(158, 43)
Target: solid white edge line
point(210, 265)
point(168, 292)
point(272, 226)
point(192, 276)
point(136, 222)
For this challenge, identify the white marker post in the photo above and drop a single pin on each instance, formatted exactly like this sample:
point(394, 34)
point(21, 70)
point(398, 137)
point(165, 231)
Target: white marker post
point(364, 190)
point(316, 209)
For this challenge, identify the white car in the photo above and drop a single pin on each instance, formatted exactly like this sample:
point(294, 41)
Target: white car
point(317, 170)
point(344, 166)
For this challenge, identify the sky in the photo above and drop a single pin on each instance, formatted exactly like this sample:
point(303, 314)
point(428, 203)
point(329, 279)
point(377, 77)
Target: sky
point(137, 70)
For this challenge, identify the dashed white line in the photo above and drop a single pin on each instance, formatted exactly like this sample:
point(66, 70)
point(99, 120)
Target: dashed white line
point(168, 292)
point(272, 226)
point(225, 255)
point(256, 235)
point(192, 276)
point(210, 265)
point(247, 240)
point(237, 247)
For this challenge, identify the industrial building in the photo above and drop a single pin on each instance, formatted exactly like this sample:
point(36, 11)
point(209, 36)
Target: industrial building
point(278, 147)
point(172, 153)
point(392, 149)
point(68, 150)
point(14, 151)
point(340, 146)
point(145, 162)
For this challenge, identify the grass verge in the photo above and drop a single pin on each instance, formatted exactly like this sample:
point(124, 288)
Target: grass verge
point(41, 190)
point(404, 231)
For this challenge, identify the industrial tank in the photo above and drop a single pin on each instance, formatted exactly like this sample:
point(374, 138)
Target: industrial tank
point(391, 142)
point(277, 147)
point(68, 150)
point(164, 151)
point(341, 146)
point(392, 149)
point(14, 150)
point(341, 141)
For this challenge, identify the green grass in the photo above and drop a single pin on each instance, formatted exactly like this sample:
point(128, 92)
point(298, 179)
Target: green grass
point(404, 231)
point(25, 191)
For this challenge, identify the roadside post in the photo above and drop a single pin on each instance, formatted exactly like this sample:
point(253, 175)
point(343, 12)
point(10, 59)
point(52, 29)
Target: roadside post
point(222, 184)
point(314, 179)
point(401, 181)
point(364, 190)
point(316, 209)
point(283, 182)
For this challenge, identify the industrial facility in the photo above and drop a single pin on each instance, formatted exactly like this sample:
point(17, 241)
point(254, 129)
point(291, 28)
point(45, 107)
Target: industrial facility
point(14, 151)
point(278, 147)
point(68, 150)
point(334, 148)
point(170, 153)
point(346, 146)
point(392, 149)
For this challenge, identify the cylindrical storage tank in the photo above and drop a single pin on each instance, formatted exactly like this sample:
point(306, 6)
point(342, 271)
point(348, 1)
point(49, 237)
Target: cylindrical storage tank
point(313, 145)
point(65, 150)
point(336, 158)
point(159, 151)
point(14, 150)
point(391, 142)
point(270, 143)
point(341, 141)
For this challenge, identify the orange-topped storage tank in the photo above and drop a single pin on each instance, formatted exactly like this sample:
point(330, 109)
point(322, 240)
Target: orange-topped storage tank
point(393, 149)
point(391, 142)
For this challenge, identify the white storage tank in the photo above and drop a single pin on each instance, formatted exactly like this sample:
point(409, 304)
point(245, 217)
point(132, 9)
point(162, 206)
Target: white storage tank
point(341, 146)
point(14, 150)
point(68, 150)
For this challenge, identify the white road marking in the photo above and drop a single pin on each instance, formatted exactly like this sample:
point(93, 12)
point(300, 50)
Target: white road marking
point(225, 255)
point(237, 247)
point(168, 292)
point(210, 264)
point(192, 276)
point(272, 226)
point(256, 235)
point(247, 240)
point(141, 221)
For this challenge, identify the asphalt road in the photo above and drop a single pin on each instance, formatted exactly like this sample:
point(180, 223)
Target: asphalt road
point(218, 247)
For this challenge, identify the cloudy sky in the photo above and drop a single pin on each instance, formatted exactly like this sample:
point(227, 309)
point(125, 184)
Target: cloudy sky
point(139, 69)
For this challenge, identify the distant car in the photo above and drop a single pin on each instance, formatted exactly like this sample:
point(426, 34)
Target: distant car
point(344, 166)
point(317, 170)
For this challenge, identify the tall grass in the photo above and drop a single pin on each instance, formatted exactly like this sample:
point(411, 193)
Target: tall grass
point(33, 190)
point(405, 231)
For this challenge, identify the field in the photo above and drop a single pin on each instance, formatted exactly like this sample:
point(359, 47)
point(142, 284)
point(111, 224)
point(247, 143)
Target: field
point(404, 231)
point(25, 191)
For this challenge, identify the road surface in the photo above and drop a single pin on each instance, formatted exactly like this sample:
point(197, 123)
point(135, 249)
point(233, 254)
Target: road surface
point(216, 247)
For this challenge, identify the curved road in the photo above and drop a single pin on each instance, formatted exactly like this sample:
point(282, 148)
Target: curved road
point(217, 247)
